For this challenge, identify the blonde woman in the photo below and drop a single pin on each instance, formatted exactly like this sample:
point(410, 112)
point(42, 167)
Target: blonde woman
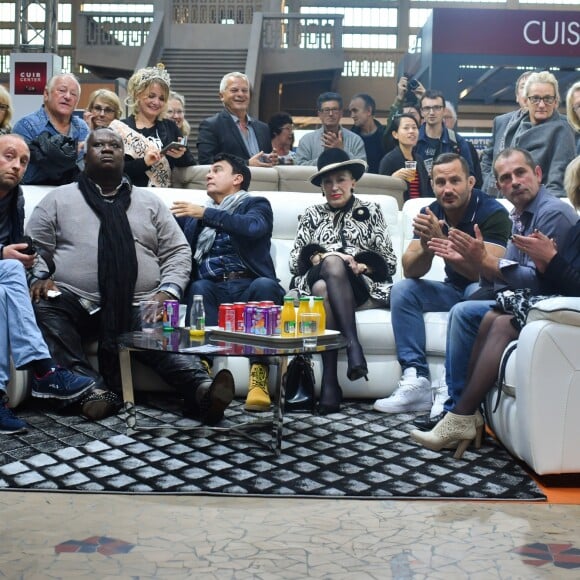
point(104, 106)
point(152, 142)
point(6, 111)
point(573, 111)
point(176, 111)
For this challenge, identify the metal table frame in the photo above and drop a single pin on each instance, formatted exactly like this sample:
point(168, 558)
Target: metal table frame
point(127, 346)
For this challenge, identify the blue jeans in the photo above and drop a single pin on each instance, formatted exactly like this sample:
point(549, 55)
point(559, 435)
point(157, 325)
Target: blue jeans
point(19, 333)
point(462, 328)
point(410, 298)
point(242, 290)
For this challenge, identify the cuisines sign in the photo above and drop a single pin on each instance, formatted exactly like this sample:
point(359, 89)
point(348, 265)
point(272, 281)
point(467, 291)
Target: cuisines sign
point(506, 32)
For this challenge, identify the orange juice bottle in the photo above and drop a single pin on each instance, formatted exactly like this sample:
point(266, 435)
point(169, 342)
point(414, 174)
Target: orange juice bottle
point(288, 318)
point(319, 308)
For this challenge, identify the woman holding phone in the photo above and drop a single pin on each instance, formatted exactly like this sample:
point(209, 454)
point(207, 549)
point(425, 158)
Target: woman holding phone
point(154, 144)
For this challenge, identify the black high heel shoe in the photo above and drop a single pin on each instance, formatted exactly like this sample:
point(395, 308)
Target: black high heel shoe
point(358, 372)
point(357, 364)
point(332, 406)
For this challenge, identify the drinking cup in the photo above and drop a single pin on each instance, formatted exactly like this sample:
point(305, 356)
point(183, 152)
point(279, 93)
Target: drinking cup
point(310, 324)
point(149, 315)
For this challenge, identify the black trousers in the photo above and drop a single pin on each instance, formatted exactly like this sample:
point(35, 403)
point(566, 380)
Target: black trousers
point(65, 325)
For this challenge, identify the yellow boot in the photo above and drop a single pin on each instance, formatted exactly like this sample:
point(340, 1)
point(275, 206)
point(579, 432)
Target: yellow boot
point(258, 398)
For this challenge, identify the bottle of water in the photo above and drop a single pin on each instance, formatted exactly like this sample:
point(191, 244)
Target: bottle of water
point(197, 322)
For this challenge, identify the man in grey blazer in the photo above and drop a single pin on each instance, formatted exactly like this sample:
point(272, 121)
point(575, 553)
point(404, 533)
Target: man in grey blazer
point(232, 130)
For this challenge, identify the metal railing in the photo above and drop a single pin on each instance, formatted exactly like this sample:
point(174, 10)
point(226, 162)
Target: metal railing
point(118, 29)
point(215, 11)
point(320, 32)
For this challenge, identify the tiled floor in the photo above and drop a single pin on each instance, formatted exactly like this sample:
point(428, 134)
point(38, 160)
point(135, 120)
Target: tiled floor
point(59, 535)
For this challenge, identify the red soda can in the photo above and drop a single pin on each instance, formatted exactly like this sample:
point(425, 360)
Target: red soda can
point(170, 314)
point(239, 311)
point(249, 312)
point(275, 313)
point(266, 303)
point(223, 308)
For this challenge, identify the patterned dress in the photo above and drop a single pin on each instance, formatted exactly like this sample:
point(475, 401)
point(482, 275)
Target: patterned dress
point(358, 229)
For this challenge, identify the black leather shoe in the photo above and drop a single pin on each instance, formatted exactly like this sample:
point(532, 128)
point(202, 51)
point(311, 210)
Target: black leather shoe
point(217, 398)
point(426, 423)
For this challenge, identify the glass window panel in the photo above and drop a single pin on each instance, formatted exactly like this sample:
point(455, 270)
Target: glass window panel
point(7, 37)
point(418, 17)
point(369, 41)
point(133, 8)
point(7, 12)
point(64, 13)
point(466, 1)
point(64, 37)
point(358, 16)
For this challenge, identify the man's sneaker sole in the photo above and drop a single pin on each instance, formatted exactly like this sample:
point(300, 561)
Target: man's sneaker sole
point(4, 431)
point(72, 397)
point(408, 408)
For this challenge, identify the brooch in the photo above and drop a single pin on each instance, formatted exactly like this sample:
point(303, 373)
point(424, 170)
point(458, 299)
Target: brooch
point(361, 214)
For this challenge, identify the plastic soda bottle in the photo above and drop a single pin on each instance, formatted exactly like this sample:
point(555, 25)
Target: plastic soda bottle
point(288, 318)
point(197, 322)
point(319, 309)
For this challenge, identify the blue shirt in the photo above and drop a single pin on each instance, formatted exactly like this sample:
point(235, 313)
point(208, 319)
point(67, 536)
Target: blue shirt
point(32, 125)
point(547, 214)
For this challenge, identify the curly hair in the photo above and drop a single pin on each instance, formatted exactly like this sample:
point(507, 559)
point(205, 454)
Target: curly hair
point(142, 80)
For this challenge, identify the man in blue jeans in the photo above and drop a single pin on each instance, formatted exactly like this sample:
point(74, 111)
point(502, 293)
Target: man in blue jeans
point(19, 333)
point(519, 180)
point(458, 207)
point(20, 336)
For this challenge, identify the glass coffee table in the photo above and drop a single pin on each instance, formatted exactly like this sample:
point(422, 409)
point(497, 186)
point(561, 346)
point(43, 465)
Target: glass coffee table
point(220, 343)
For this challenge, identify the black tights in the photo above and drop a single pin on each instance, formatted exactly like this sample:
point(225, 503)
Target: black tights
point(340, 305)
point(495, 333)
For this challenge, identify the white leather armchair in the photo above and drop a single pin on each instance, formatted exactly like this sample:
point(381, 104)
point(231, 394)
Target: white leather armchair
point(537, 418)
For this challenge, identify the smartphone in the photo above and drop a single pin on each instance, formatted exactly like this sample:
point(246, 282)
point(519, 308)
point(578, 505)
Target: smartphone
point(173, 145)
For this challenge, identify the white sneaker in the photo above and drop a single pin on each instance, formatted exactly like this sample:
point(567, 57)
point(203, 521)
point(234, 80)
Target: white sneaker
point(440, 395)
point(413, 393)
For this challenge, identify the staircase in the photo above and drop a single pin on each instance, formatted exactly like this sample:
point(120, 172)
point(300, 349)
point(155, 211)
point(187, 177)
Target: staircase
point(196, 74)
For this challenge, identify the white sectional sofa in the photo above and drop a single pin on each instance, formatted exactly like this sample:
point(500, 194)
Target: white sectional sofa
point(536, 368)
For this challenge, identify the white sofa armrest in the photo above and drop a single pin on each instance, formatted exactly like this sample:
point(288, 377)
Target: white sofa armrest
point(561, 309)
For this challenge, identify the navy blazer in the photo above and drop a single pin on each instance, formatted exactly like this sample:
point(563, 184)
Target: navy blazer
point(219, 134)
point(249, 228)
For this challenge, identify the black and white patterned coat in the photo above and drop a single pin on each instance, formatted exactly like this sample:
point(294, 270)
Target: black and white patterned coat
point(360, 231)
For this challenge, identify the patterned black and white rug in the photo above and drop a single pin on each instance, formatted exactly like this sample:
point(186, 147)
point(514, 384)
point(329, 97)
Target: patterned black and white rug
point(354, 454)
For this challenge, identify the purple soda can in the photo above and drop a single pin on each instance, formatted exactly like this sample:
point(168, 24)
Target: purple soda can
point(249, 312)
point(275, 312)
point(170, 314)
point(262, 320)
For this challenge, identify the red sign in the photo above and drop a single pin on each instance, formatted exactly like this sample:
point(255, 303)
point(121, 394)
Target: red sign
point(513, 32)
point(30, 78)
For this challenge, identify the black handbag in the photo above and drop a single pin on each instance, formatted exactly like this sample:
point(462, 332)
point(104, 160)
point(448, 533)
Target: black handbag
point(299, 385)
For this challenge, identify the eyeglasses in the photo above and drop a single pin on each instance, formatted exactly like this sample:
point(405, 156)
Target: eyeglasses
point(4, 107)
point(106, 110)
point(330, 111)
point(287, 128)
point(434, 108)
point(535, 100)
